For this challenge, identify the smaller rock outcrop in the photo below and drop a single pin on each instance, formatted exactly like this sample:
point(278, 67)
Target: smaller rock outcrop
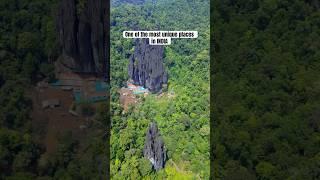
point(154, 148)
point(146, 67)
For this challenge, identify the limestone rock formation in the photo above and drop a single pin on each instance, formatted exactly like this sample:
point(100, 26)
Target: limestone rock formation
point(83, 34)
point(146, 66)
point(154, 148)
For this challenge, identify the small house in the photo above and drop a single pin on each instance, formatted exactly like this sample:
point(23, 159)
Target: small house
point(51, 103)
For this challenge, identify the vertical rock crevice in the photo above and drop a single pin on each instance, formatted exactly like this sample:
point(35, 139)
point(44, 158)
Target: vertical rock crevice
point(82, 34)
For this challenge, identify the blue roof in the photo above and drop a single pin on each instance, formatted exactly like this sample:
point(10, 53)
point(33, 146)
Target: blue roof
point(97, 98)
point(140, 90)
point(77, 96)
point(56, 83)
point(101, 86)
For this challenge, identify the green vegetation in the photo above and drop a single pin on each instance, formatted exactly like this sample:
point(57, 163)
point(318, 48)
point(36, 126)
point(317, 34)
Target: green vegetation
point(28, 46)
point(266, 93)
point(266, 90)
point(183, 119)
point(26, 43)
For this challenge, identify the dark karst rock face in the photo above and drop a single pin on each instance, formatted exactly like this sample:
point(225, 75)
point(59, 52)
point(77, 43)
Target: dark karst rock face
point(146, 66)
point(154, 149)
point(83, 34)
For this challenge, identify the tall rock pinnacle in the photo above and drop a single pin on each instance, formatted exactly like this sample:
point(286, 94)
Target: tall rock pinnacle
point(146, 66)
point(154, 149)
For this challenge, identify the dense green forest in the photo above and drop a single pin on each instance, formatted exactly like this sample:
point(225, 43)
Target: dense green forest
point(183, 120)
point(26, 43)
point(266, 93)
point(266, 65)
point(28, 46)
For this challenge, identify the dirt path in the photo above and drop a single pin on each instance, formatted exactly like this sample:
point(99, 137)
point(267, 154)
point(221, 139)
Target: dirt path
point(175, 165)
point(49, 123)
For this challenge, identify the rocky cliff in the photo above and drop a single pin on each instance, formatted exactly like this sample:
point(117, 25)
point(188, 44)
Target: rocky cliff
point(154, 149)
point(83, 34)
point(146, 66)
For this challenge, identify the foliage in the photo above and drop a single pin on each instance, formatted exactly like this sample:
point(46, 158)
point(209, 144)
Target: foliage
point(181, 117)
point(21, 55)
point(266, 84)
point(28, 47)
